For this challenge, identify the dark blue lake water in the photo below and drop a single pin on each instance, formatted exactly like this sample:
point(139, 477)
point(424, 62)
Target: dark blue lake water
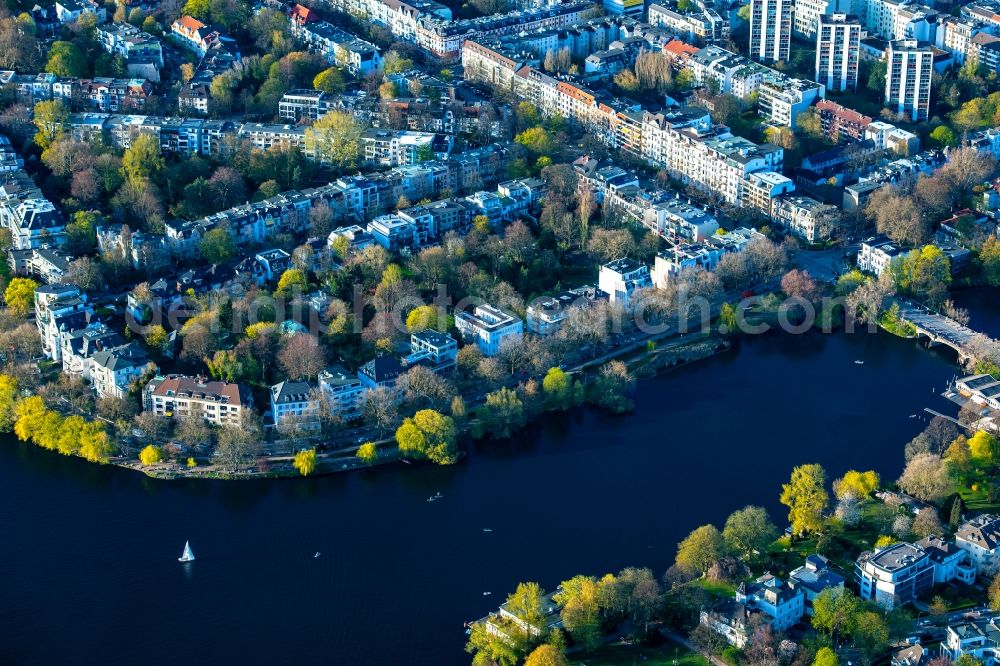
point(88, 570)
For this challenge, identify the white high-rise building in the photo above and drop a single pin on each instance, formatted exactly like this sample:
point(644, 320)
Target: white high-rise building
point(837, 46)
point(807, 13)
point(770, 29)
point(909, 67)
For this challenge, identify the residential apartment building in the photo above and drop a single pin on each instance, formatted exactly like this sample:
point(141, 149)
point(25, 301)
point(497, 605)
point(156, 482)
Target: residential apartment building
point(295, 406)
point(774, 601)
point(980, 537)
point(812, 578)
point(909, 67)
point(781, 99)
point(701, 24)
point(805, 217)
point(343, 392)
point(547, 314)
point(876, 253)
point(397, 148)
point(340, 48)
point(488, 327)
point(620, 279)
point(430, 25)
point(808, 13)
point(841, 124)
point(770, 29)
point(143, 53)
point(975, 637)
point(181, 396)
point(437, 350)
point(838, 39)
point(114, 371)
point(59, 310)
point(895, 575)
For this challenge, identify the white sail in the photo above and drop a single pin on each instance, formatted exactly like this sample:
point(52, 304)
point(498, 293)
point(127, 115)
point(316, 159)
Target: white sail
point(188, 554)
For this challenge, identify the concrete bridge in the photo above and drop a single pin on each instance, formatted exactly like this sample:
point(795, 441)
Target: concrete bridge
point(937, 328)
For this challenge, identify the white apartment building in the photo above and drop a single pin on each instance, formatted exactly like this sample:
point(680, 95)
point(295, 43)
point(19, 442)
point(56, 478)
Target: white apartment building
point(343, 391)
point(546, 314)
point(295, 405)
point(880, 16)
point(909, 67)
point(804, 217)
point(877, 253)
point(895, 575)
point(782, 99)
point(700, 25)
point(438, 350)
point(980, 538)
point(838, 39)
point(808, 12)
point(770, 29)
point(180, 396)
point(774, 601)
point(620, 279)
point(488, 326)
point(113, 371)
point(60, 309)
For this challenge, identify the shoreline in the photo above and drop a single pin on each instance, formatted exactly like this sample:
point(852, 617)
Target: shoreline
point(649, 366)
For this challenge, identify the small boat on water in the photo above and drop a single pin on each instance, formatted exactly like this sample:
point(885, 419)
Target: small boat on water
point(486, 594)
point(431, 498)
point(859, 362)
point(438, 495)
point(188, 554)
point(316, 555)
point(486, 529)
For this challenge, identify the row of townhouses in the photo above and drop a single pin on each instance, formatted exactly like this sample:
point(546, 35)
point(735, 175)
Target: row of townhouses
point(337, 46)
point(430, 25)
point(685, 142)
point(97, 94)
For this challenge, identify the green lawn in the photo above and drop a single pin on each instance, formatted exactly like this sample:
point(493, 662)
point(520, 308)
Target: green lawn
point(631, 655)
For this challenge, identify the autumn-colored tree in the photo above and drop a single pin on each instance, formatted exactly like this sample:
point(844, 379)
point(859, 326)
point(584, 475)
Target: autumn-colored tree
point(856, 485)
point(142, 160)
point(330, 80)
point(367, 453)
point(293, 282)
point(305, 461)
point(20, 296)
point(806, 498)
point(335, 138)
point(150, 455)
point(702, 548)
point(547, 655)
point(428, 434)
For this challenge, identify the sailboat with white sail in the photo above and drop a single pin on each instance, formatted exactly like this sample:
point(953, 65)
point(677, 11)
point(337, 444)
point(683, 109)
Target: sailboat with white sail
point(188, 554)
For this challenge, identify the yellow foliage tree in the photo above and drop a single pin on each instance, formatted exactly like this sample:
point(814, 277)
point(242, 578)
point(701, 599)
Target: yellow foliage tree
point(20, 296)
point(150, 455)
point(423, 317)
point(305, 461)
point(8, 399)
point(367, 453)
point(806, 498)
point(28, 416)
point(95, 444)
point(856, 485)
point(983, 447)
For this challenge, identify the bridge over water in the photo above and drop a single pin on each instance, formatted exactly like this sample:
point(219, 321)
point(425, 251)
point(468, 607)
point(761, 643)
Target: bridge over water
point(938, 328)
